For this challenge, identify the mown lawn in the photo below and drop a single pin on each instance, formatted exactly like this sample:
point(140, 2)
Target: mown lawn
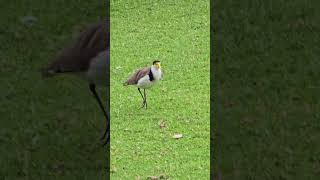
point(49, 129)
point(177, 33)
point(266, 105)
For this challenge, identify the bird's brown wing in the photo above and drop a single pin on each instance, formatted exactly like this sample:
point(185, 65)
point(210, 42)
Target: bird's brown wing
point(137, 75)
point(77, 56)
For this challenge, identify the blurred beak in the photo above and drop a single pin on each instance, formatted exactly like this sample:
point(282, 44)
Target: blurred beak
point(158, 66)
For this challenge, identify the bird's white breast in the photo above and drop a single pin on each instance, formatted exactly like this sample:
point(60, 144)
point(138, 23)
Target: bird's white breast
point(145, 82)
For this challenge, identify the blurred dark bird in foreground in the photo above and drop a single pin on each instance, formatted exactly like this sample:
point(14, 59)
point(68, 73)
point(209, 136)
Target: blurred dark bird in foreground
point(88, 56)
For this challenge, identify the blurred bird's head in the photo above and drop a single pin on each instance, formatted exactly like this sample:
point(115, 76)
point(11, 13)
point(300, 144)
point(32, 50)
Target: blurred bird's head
point(157, 64)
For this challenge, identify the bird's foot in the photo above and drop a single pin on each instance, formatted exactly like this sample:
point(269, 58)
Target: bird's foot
point(105, 141)
point(106, 132)
point(144, 104)
point(105, 138)
point(102, 137)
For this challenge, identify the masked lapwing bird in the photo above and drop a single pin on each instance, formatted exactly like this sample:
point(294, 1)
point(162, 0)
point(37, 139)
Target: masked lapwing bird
point(87, 56)
point(145, 78)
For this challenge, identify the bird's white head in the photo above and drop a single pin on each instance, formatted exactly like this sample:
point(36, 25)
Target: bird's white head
point(157, 64)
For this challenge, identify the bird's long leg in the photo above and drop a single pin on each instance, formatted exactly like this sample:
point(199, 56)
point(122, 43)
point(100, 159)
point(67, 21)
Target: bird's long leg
point(107, 132)
point(145, 98)
point(140, 93)
point(107, 129)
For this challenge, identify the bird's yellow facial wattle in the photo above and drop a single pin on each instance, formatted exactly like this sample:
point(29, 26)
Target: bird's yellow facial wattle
point(158, 65)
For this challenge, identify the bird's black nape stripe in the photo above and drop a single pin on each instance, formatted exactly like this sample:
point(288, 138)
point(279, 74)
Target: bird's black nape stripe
point(154, 62)
point(151, 78)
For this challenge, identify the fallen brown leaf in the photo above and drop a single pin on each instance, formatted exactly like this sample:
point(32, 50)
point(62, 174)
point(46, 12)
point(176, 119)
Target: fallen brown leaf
point(162, 124)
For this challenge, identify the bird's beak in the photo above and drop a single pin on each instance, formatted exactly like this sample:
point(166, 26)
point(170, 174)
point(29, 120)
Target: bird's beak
point(158, 65)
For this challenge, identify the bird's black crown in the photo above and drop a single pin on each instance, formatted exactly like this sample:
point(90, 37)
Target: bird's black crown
point(154, 62)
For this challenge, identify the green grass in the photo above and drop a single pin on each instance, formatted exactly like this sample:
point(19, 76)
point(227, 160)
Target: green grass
point(49, 129)
point(177, 33)
point(266, 89)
